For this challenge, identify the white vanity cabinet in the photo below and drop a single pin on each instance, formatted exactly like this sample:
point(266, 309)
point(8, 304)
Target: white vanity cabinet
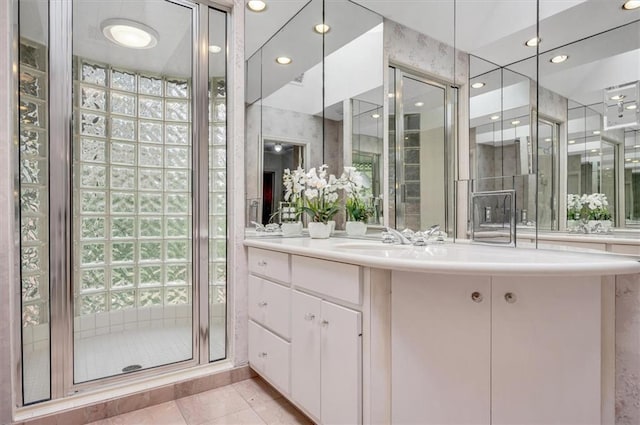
point(495, 350)
point(269, 302)
point(326, 359)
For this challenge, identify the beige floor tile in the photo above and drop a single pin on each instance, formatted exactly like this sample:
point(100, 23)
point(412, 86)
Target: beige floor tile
point(209, 405)
point(256, 391)
point(280, 412)
point(244, 417)
point(161, 414)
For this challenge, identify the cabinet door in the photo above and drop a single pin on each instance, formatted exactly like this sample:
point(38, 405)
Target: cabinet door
point(305, 352)
point(256, 347)
point(440, 349)
point(277, 361)
point(341, 365)
point(546, 350)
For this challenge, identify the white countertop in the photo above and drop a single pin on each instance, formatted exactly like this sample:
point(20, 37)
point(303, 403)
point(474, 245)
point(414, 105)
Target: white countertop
point(455, 258)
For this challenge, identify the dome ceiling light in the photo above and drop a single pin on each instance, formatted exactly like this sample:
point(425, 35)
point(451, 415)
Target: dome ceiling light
point(322, 28)
point(559, 58)
point(131, 34)
point(631, 4)
point(533, 42)
point(256, 5)
point(215, 49)
point(477, 85)
point(284, 60)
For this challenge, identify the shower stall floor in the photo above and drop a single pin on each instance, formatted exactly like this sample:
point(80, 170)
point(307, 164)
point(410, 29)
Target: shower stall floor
point(108, 354)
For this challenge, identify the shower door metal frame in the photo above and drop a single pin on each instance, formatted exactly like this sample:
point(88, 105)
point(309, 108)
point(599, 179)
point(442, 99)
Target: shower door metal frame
point(61, 209)
point(450, 113)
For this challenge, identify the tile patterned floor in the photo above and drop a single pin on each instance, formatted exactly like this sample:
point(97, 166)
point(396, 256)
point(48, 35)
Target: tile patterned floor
point(250, 402)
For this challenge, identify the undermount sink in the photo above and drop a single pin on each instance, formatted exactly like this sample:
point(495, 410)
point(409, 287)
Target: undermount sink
point(371, 246)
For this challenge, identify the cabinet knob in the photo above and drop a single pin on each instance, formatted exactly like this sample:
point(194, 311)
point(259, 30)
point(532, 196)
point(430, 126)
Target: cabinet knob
point(262, 304)
point(262, 263)
point(510, 297)
point(325, 323)
point(309, 316)
point(263, 354)
point(476, 297)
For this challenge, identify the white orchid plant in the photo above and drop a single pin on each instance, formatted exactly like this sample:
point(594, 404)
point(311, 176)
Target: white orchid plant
point(588, 207)
point(316, 193)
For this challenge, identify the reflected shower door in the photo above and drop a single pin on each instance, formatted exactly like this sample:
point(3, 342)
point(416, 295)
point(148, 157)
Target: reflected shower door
point(548, 182)
point(132, 200)
point(421, 162)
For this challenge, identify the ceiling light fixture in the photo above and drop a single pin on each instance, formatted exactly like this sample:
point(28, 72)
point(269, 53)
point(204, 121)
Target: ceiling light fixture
point(594, 150)
point(533, 42)
point(284, 60)
point(215, 49)
point(131, 34)
point(495, 117)
point(375, 115)
point(636, 160)
point(391, 95)
point(559, 58)
point(628, 159)
point(637, 146)
point(547, 140)
point(631, 107)
point(631, 4)
point(571, 142)
point(516, 122)
point(322, 28)
point(419, 104)
point(477, 85)
point(256, 5)
point(618, 97)
point(277, 147)
point(596, 132)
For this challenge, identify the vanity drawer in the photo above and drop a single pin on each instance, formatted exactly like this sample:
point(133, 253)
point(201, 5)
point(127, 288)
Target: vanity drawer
point(270, 356)
point(271, 264)
point(337, 280)
point(270, 305)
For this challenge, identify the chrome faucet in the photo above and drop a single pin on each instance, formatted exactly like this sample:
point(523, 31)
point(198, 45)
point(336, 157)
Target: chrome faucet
point(433, 229)
point(390, 235)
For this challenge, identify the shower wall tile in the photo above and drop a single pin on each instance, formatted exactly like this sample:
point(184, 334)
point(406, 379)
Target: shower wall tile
point(628, 349)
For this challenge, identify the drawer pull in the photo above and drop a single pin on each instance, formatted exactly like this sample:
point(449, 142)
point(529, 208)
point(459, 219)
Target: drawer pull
point(476, 297)
point(510, 297)
point(262, 304)
point(263, 354)
point(262, 263)
point(325, 323)
point(309, 316)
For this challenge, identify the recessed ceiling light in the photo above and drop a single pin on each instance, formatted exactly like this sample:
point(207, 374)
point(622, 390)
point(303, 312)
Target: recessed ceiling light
point(571, 142)
point(131, 34)
point(636, 160)
point(256, 5)
point(375, 115)
point(321, 28)
point(516, 122)
point(284, 60)
point(596, 132)
point(628, 159)
point(277, 147)
point(533, 42)
point(215, 49)
point(637, 146)
point(547, 140)
point(631, 4)
point(495, 117)
point(594, 150)
point(559, 58)
point(631, 107)
point(391, 95)
point(477, 85)
point(618, 97)
point(419, 104)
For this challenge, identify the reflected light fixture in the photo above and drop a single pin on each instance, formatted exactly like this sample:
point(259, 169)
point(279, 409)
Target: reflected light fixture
point(419, 104)
point(477, 85)
point(636, 160)
point(594, 150)
point(631, 107)
point(256, 5)
point(495, 117)
point(618, 97)
point(559, 58)
point(637, 146)
point(284, 60)
point(571, 142)
point(131, 34)
point(277, 147)
point(391, 95)
point(215, 49)
point(321, 28)
point(628, 159)
point(547, 140)
point(375, 115)
point(516, 122)
point(596, 132)
point(533, 42)
point(631, 4)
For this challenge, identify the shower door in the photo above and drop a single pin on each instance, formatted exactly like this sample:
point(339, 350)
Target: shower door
point(423, 152)
point(131, 225)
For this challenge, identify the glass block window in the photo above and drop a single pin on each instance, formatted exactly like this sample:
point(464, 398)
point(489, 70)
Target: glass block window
point(132, 185)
